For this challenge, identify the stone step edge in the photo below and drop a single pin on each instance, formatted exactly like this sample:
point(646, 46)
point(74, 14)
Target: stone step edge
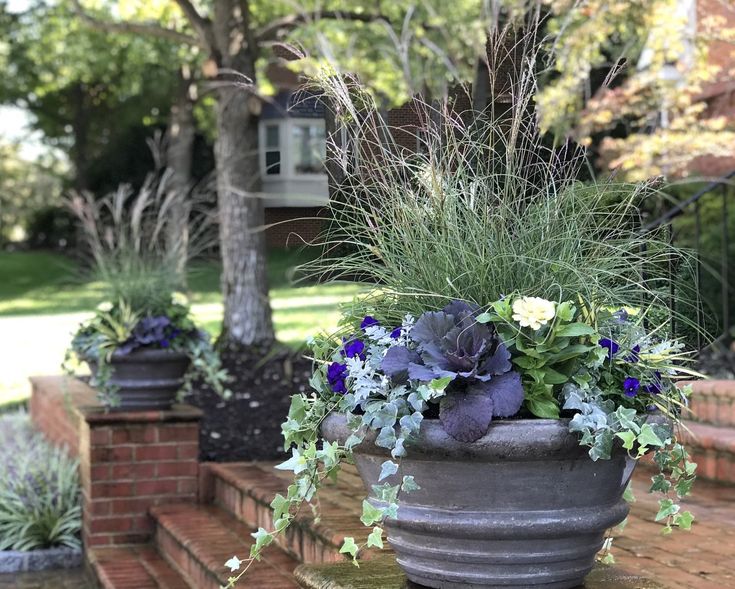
point(306, 540)
point(201, 567)
point(143, 560)
point(707, 436)
point(385, 574)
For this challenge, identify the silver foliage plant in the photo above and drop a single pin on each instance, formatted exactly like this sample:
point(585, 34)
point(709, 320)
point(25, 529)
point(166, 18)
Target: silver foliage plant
point(40, 494)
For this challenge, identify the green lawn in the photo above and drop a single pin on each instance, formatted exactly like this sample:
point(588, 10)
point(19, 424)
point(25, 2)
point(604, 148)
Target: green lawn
point(43, 297)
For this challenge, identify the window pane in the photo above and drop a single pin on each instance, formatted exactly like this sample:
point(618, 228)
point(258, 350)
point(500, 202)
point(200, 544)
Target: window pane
point(272, 163)
point(309, 149)
point(271, 137)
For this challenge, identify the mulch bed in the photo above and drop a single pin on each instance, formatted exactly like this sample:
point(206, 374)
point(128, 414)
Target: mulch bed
point(248, 425)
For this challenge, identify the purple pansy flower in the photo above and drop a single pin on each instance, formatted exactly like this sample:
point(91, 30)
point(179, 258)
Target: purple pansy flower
point(631, 386)
point(354, 349)
point(368, 321)
point(612, 347)
point(396, 333)
point(336, 374)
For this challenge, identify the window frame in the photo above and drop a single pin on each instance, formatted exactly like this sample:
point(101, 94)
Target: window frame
point(288, 154)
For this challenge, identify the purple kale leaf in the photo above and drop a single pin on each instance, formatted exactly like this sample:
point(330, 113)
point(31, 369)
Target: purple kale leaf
point(451, 343)
point(150, 331)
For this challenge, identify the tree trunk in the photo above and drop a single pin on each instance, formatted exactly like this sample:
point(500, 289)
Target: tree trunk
point(80, 130)
point(179, 154)
point(247, 313)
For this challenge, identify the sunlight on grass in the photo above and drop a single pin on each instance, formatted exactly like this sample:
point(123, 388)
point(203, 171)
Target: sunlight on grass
point(43, 299)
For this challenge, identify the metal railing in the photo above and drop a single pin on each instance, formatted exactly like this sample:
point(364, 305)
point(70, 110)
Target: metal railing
point(684, 223)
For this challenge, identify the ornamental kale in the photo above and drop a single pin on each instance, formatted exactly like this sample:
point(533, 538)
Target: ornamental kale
point(450, 344)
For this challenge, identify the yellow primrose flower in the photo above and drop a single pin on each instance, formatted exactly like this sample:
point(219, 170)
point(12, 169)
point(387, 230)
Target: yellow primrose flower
point(533, 312)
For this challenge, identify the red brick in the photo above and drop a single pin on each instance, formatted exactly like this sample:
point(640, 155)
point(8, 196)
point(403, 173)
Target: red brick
point(111, 454)
point(188, 451)
point(102, 525)
point(98, 472)
point(187, 468)
point(97, 507)
point(118, 489)
point(137, 434)
point(157, 452)
point(157, 487)
point(188, 486)
point(179, 433)
point(100, 436)
point(129, 506)
point(131, 470)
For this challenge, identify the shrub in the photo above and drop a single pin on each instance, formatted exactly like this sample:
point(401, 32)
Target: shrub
point(39, 490)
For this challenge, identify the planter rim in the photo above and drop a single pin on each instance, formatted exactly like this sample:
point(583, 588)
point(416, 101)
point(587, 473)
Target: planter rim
point(520, 438)
point(148, 355)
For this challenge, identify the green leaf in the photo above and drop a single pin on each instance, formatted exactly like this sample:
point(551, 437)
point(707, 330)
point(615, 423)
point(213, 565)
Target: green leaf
point(565, 311)
point(388, 468)
point(628, 494)
point(439, 384)
point(375, 539)
point(370, 514)
point(409, 484)
point(552, 376)
point(280, 506)
point(684, 487)
point(349, 547)
point(608, 559)
point(628, 439)
point(262, 539)
point(684, 520)
point(544, 408)
point(660, 483)
point(667, 508)
point(386, 492)
point(648, 437)
point(485, 317)
point(574, 330)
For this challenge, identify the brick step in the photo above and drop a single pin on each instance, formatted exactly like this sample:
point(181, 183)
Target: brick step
point(197, 540)
point(712, 448)
point(247, 489)
point(713, 402)
point(134, 567)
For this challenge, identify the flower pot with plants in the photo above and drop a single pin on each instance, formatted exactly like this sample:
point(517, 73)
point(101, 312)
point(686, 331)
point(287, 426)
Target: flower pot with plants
point(512, 361)
point(142, 346)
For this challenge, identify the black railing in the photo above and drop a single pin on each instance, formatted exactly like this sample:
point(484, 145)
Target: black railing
point(702, 222)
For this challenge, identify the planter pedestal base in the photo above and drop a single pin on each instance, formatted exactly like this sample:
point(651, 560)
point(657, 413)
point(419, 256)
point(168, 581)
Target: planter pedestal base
point(384, 573)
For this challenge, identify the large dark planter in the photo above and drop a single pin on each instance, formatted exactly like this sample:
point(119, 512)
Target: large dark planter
point(524, 506)
point(146, 379)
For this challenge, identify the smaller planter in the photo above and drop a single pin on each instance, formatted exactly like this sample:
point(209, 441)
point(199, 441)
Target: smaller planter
point(146, 379)
point(15, 561)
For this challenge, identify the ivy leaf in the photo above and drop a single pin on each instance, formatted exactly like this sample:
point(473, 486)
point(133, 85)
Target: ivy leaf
point(375, 539)
point(409, 484)
point(280, 506)
point(628, 494)
point(660, 483)
point(667, 508)
point(648, 437)
point(262, 539)
point(386, 492)
point(387, 469)
point(626, 419)
point(370, 514)
point(296, 463)
point(386, 438)
point(684, 487)
point(349, 547)
point(628, 439)
point(608, 559)
point(684, 520)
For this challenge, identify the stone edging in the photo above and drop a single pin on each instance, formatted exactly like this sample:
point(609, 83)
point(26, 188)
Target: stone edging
point(13, 561)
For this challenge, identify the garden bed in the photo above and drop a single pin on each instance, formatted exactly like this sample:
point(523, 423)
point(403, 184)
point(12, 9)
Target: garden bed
point(40, 500)
point(248, 425)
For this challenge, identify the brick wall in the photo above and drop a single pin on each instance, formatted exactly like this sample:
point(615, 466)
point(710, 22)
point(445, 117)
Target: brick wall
point(293, 226)
point(129, 461)
point(52, 408)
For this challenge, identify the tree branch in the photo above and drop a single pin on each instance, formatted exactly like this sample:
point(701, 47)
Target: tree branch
point(137, 28)
point(200, 24)
point(271, 31)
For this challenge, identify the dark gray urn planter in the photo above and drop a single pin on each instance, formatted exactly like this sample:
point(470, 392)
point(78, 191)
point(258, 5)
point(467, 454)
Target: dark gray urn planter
point(522, 507)
point(146, 379)
point(14, 561)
